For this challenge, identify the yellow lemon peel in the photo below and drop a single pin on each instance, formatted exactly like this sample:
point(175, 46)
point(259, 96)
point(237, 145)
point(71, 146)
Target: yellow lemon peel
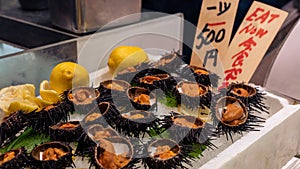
point(47, 93)
point(20, 97)
point(123, 57)
point(68, 75)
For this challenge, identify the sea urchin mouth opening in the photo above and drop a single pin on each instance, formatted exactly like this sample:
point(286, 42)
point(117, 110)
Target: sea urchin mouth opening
point(191, 89)
point(203, 76)
point(138, 116)
point(137, 122)
point(112, 90)
point(152, 78)
point(199, 70)
point(167, 154)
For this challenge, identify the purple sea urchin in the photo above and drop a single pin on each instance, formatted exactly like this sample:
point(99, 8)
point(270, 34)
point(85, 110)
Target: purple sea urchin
point(141, 99)
point(116, 152)
point(83, 99)
point(193, 95)
point(166, 154)
point(11, 126)
point(188, 129)
point(230, 116)
point(66, 131)
point(112, 89)
point(48, 116)
point(51, 155)
point(252, 97)
point(137, 122)
point(16, 158)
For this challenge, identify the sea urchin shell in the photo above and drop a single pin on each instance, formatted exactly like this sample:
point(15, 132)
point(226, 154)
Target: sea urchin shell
point(137, 122)
point(14, 159)
point(116, 152)
point(205, 77)
point(112, 89)
point(66, 131)
point(97, 132)
point(231, 116)
point(193, 95)
point(165, 154)
point(52, 155)
point(252, 97)
point(11, 126)
point(141, 98)
point(83, 98)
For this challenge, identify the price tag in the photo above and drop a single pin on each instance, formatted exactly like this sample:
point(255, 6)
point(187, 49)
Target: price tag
point(253, 38)
point(213, 33)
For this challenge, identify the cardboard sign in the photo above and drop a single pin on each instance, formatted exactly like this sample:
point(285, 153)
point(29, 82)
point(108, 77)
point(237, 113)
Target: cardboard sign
point(284, 76)
point(251, 41)
point(213, 32)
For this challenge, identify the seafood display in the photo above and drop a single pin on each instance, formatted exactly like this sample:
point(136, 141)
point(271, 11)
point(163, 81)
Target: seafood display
point(119, 123)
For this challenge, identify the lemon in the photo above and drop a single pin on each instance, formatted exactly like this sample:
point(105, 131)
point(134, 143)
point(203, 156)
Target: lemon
point(14, 93)
point(67, 75)
point(28, 104)
point(123, 57)
point(47, 93)
point(23, 105)
point(20, 97)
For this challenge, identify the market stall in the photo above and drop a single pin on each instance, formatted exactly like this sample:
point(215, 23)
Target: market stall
point(123, 96)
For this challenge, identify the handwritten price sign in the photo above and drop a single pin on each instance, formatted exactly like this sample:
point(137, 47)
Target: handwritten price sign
point(251, 42)
point(213, 32)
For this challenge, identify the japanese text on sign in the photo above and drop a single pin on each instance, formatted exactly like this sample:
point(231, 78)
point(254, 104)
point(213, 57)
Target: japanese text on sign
point(214, 31)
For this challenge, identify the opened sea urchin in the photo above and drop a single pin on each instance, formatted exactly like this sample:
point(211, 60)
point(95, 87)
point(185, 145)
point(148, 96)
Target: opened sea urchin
point(252, 97)
point(166, 154)
point(16, 158)
point(230, 116)
point(51, 155)
point(137, 122)
point(116, 152)
point(66, 131)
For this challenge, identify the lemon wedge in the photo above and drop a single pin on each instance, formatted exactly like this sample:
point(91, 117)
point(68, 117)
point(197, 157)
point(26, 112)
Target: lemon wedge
point(123, 57)
point(48, 94)
point(14, 93)
point(23, 105)
point(20, 97)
